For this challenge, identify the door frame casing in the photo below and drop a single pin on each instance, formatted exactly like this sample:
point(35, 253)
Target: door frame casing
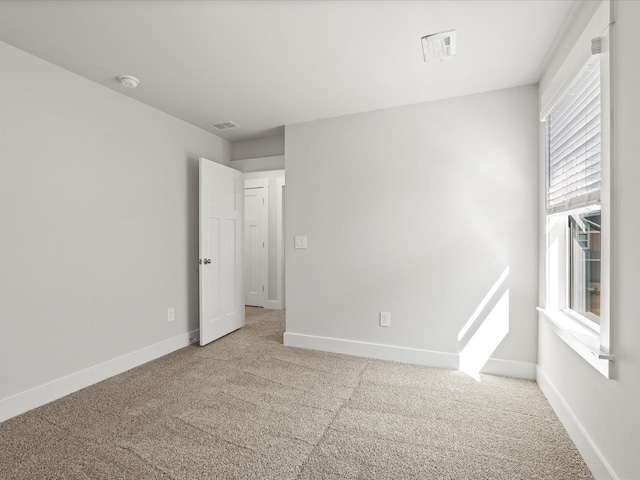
point(276, 271)
point(255, 183)
point(279, 303)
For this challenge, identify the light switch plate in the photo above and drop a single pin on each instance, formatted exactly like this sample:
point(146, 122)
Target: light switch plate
point(300, 241)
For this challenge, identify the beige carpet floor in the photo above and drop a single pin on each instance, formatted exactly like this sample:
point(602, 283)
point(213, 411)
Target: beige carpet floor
point(246, 407)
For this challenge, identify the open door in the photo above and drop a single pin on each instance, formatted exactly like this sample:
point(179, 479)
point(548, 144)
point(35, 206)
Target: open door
point(221, 212)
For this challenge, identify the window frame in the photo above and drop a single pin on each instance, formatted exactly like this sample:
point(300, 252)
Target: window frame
point(592, 342)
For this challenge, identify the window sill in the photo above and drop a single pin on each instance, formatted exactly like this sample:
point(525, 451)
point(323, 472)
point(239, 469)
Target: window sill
point(585, 341)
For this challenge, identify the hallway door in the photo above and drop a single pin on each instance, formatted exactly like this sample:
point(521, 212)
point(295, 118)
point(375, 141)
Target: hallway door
point(256, 250)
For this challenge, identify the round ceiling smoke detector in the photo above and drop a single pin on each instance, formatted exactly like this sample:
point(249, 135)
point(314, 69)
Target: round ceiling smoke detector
point(129, 81)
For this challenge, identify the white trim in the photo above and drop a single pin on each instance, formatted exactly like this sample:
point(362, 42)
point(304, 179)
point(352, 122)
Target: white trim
point(251, 183)
point(557, 259)
point(592, 456)
point(607, 287)
point(276, 182)
point(259, 164)
point(256, 183)
point(582, 339)
point(510, 368)
point(48, 392)
point(280, 183)
point(278, 303)
point(273, 305)
point(429, 358)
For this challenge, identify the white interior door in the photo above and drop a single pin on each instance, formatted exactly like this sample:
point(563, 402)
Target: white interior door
point(221, 211)
point(255, 242)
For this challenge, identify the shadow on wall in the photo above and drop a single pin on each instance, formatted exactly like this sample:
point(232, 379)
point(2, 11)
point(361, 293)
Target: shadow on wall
point(486, 328)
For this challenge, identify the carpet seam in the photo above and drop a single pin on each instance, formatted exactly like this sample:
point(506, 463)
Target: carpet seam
point(337, 412)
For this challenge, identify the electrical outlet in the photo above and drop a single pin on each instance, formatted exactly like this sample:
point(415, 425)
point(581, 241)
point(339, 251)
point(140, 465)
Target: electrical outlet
point(171, 314)
point(300, 241)
point(385, 319)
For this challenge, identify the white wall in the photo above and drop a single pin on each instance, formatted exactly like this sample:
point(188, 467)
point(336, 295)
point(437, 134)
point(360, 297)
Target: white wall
point(417, 211)
point(99, 205)
point(275, 291)
point(606, 411)
point(257, 147)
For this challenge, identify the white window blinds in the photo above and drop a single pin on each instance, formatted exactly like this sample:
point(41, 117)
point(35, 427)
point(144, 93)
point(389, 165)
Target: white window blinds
point(573, 145)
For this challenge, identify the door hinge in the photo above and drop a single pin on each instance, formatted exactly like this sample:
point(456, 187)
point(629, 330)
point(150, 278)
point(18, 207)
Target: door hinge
point(263, 288)
point(262, 244)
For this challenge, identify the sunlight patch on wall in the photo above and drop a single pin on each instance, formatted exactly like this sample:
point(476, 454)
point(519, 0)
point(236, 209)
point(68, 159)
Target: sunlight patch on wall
point(486, 328)
point(483, 304)
point(486, 339)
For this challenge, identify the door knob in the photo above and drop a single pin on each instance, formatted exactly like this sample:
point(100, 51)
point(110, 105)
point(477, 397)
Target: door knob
point(207, 261)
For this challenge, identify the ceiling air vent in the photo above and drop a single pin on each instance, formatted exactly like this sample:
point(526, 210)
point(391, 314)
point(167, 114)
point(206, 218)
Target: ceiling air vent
point(224, 126)
point(439, 46)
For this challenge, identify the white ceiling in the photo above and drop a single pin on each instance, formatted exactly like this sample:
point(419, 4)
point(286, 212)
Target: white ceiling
point(265, 64)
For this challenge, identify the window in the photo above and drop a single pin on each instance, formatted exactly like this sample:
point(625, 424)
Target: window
point(584, 265)
point(578, 213)
point(573, 189)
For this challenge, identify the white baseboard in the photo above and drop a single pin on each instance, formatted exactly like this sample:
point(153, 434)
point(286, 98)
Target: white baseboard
point(416, 356)
point(43, 394)
point(510, 368)
point(273, 305)
point(592, 456)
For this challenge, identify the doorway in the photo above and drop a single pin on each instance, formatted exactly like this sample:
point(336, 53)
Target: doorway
point(264, 266)
point(256, 211)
